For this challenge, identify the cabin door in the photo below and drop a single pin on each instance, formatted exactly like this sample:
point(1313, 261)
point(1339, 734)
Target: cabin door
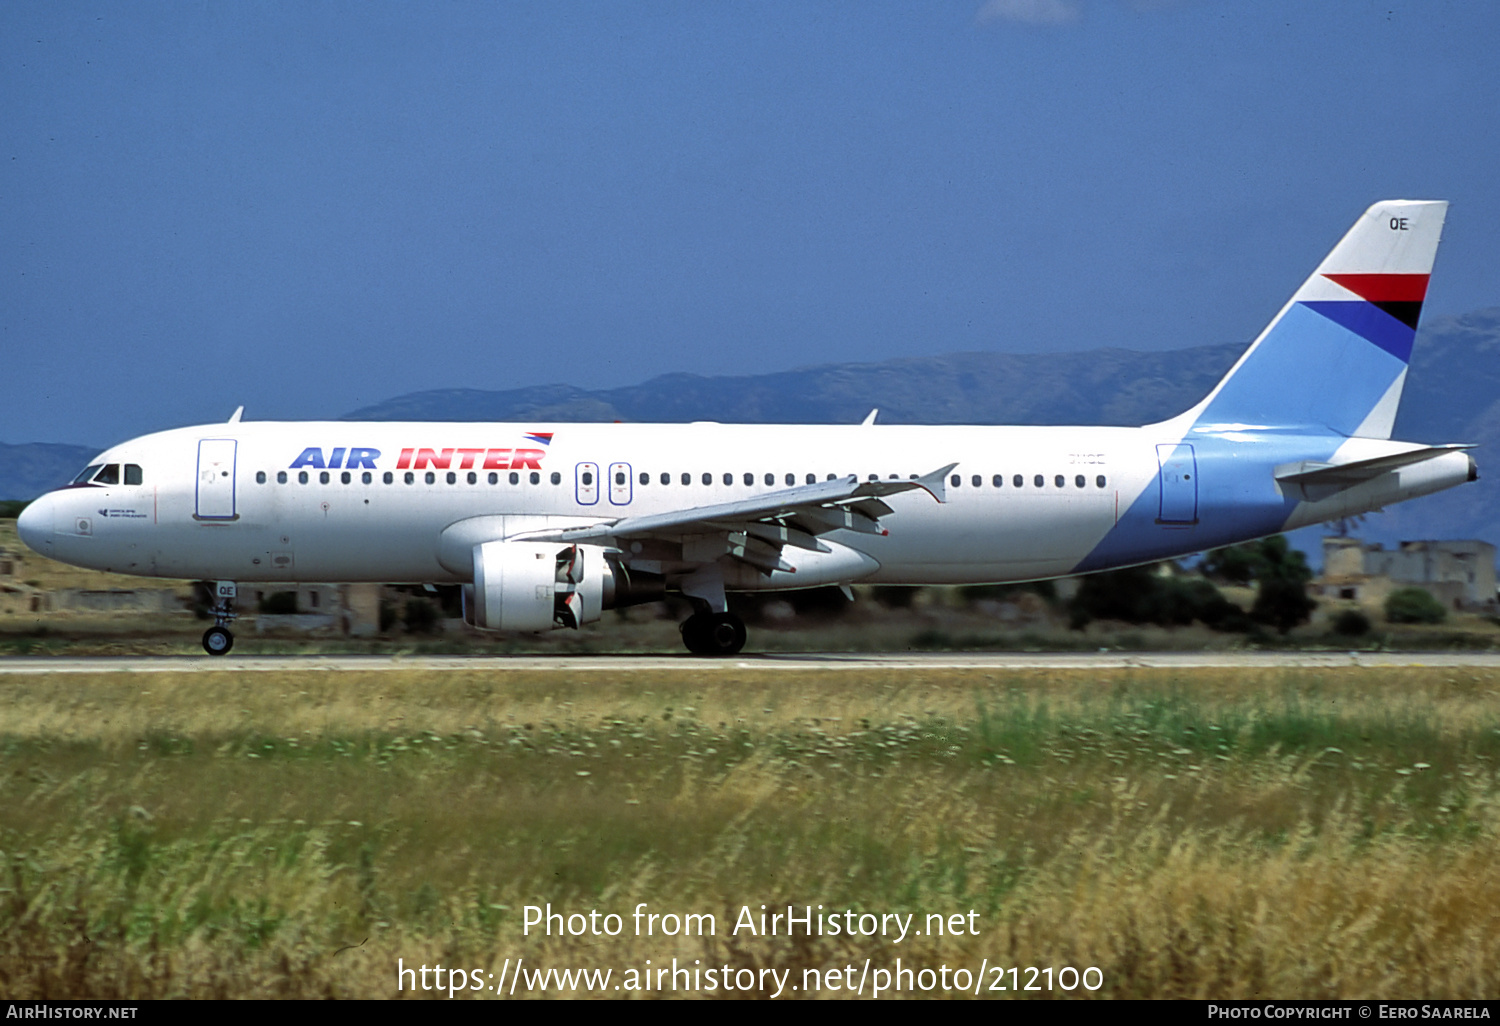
point(215, 491)
point(1179, 484)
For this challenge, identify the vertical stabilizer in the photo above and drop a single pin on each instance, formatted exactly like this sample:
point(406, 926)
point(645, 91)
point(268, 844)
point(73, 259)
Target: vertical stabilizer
point(1335, 357)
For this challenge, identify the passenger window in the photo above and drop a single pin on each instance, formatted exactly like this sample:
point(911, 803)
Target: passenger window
point(452, 477)
point(302, 477)
point(812, 478)
point(344, 477)
point(473, 477)
point(770, 479)
point(535, 478)
point(687, 479)
point(645, 478)
point(323, 477)
point(1079, 481)
point(1059, 480)
point(430, 477)
point(666, 478)
point(366, 477)
point(998, 480)
point(556, 477)
point(132, 474)
point(260, 477)
point(976, 481)
point(749, 479)
point(1017, 481)
point(515, 478)
point(388, 477)
point(87, 474)
point(1099, 481)
point(588, 478)
point(109, 475)
point(728, 478)
point(281, 477)
point(620, 477)
point(791, 479)
point(410, 478)
point(1039, 481)
point(494, 478)
point(955, 480)
point(708, 478)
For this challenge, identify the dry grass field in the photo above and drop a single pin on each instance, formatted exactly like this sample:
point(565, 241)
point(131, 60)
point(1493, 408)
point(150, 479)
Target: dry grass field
point(1303, 833)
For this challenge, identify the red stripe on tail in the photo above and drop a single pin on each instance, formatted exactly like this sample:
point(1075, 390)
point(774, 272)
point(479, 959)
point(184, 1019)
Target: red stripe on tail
point(1384, 288)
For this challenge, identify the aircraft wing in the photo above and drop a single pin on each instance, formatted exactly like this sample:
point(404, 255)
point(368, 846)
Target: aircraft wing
point(755, 530)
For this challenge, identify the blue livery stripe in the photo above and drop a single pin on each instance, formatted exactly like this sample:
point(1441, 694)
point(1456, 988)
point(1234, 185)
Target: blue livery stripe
point(1237, 499)
point(1309, 372)
point(1371, 323)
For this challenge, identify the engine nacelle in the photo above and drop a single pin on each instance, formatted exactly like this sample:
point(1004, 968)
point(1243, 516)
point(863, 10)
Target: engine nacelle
point(538, 586)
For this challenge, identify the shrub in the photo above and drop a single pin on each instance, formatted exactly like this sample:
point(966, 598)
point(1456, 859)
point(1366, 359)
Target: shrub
point(1140, 595)
point(1351, 623)
point(1413, 605)
point(1268, 559)
point(1282, 603)
point(1233, 565)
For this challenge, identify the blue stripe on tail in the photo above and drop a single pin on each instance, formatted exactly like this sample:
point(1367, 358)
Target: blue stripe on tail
point(1310, 373)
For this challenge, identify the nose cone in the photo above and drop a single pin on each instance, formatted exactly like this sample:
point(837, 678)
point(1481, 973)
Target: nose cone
point(35, 524)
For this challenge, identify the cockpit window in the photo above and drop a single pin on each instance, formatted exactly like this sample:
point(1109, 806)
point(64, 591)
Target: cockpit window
point(132, 474)
point(109, 475)
point(88, 473)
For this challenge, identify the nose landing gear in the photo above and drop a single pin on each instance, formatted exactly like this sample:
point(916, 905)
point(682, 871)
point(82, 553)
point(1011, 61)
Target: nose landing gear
point(217, 640)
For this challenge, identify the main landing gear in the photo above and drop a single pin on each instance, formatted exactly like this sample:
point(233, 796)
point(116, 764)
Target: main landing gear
point(217, 640)
point(713, 634)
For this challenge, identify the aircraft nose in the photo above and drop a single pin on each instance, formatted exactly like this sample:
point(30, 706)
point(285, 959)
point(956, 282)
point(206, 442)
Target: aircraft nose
point(35, 524)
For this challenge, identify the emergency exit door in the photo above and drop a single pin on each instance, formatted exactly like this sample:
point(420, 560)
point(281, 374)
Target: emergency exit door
point(586, 483)
point(621, 487)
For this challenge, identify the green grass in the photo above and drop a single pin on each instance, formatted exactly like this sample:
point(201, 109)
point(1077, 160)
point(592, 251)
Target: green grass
point(1308, 833)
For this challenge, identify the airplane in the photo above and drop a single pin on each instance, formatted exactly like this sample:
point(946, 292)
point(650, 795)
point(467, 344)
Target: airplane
point(546, 526)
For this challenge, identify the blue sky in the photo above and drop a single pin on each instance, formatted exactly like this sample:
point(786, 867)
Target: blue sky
point(306, 208)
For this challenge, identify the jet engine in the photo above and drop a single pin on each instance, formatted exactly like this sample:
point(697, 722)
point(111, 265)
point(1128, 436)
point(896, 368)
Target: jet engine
point(539, 586)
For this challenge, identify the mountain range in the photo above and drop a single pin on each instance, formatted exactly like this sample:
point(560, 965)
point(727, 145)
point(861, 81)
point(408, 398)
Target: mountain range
point(1452, 395)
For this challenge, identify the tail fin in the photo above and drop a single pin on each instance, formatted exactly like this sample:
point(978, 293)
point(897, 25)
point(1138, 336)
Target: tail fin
point(1335, 357)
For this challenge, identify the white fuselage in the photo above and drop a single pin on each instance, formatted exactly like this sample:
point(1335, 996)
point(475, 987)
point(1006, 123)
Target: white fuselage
point(405, 502)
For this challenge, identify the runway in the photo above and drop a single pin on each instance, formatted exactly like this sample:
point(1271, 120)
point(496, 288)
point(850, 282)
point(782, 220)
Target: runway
point(759, 661)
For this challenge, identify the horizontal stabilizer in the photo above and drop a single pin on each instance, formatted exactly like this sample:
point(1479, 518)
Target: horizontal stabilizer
point(1309, 474)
